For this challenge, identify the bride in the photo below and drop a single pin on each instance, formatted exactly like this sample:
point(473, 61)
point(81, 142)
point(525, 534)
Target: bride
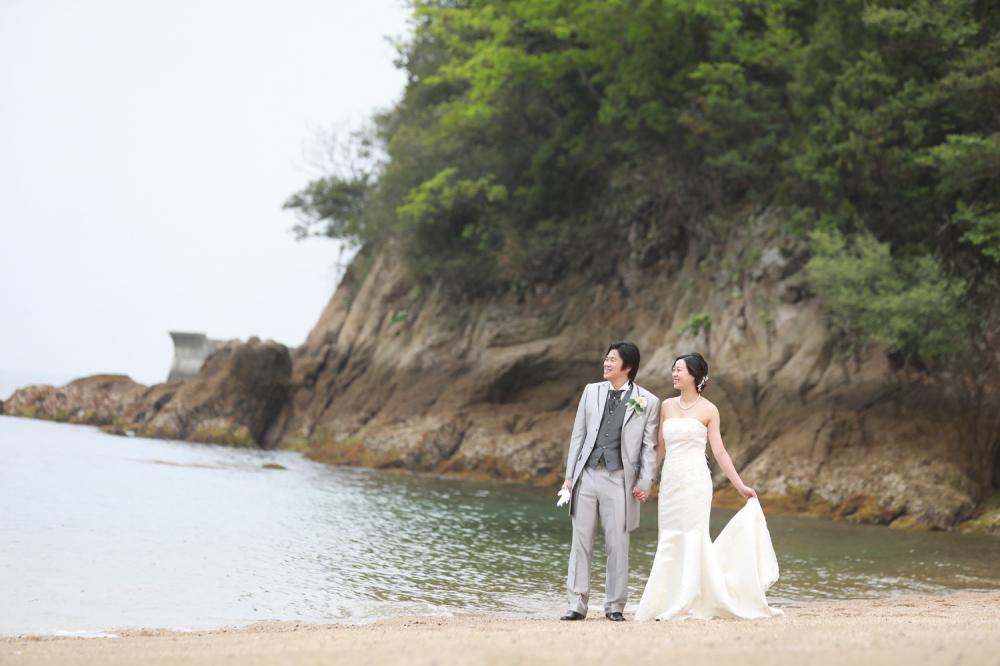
point(692, 577)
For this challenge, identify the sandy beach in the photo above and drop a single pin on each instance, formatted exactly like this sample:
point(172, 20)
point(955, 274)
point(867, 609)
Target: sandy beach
point(959, 628)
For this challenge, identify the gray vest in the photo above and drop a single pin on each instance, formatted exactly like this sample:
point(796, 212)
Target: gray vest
point(608, 447)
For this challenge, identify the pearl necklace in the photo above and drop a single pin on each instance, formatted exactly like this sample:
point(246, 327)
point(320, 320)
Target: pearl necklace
point(681, 405)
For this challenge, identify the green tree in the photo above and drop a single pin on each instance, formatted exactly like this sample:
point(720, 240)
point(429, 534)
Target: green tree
point(909, 307)
point(540, 137)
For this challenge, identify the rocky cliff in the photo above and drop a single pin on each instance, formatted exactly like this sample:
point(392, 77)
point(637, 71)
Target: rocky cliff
point(394, 377)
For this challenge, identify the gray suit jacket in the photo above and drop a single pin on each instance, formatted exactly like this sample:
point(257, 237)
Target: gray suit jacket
point(638, 443)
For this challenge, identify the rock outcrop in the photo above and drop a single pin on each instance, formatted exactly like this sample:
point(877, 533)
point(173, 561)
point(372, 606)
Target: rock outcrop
point(239, 391)
point(233, 399)
point(395, 376)
point(392, 377)
point(95, 400)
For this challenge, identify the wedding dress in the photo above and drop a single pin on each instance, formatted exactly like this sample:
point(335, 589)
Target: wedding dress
point(692, 577)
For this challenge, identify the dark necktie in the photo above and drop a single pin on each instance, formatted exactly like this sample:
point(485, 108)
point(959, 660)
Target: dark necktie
point(614, 399)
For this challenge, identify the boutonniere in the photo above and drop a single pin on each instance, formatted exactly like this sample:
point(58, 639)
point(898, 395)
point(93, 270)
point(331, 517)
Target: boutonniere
point(638, 404)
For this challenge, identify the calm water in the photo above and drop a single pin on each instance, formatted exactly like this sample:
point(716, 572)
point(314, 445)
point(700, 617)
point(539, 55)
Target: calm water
point(100, 532)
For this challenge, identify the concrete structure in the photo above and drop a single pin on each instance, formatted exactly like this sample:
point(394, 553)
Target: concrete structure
point(190, 351)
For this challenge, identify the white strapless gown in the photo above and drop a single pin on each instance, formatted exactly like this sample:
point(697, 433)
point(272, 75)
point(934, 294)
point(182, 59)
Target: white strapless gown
point(692, 577)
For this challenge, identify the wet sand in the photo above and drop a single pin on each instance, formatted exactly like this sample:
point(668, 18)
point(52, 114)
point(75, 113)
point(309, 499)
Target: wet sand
point(958, 628)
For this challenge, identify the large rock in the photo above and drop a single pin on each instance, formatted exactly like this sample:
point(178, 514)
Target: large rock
point(392, 376)
point(95, 400)
point(233, 399)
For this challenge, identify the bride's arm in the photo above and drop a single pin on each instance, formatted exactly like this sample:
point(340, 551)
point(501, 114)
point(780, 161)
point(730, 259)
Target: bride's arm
point(661, 446)
point(722, 456)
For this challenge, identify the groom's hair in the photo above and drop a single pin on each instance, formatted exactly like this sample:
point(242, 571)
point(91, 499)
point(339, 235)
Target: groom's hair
point(629, 354)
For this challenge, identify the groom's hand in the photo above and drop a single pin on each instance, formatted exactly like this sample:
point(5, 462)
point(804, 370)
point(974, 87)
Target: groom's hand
point(568, 485)
point(640, 494)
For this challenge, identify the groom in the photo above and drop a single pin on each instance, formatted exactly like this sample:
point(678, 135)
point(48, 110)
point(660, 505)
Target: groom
point(610, 468)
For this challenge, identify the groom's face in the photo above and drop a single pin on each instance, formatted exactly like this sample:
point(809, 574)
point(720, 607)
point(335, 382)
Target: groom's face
point(614, 371)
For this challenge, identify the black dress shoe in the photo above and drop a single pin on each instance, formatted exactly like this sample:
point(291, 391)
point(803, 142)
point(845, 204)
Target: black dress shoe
point(615, 617)
point(572, 615)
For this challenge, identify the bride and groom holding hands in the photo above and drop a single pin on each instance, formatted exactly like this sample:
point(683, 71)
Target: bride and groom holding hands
point(622, 435)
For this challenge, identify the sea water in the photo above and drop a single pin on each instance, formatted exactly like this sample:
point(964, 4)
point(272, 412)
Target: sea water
point(99, 532)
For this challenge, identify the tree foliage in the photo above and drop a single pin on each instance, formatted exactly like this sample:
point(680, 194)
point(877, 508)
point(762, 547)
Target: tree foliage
point(907, 307)
point(533, 133)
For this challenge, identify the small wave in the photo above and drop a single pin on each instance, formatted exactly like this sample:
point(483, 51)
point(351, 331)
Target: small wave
point(63, 633)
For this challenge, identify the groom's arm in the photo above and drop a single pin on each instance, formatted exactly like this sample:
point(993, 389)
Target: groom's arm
point(647, 454)
point(579, 434)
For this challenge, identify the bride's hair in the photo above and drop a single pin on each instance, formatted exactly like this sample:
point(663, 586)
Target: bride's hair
point(697, 367)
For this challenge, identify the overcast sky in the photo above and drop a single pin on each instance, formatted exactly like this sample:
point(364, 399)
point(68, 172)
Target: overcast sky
point(146, 148)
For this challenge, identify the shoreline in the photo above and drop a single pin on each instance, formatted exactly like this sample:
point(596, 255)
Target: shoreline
point(958, 627)
point(857, 510)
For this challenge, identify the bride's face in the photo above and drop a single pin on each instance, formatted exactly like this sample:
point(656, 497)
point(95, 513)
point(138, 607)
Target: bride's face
point(680, 375)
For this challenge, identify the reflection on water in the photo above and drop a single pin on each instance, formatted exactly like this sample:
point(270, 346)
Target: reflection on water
point(98, 532)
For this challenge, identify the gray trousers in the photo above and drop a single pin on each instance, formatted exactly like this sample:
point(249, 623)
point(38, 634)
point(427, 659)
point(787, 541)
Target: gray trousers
point(600, 495)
